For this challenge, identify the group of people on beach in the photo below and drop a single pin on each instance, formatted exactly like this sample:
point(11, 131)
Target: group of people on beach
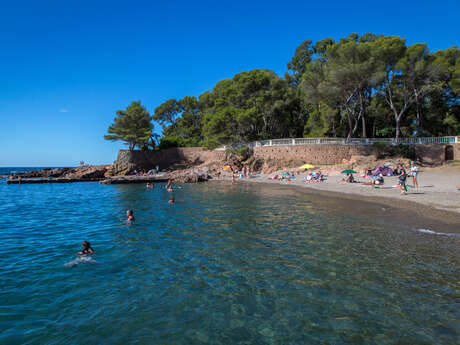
point(399, 171)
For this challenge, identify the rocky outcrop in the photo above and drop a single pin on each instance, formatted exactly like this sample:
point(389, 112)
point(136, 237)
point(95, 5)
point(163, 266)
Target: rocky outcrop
point(85, 172)
point(58, 172)
point(171, 159)
point(192, 177)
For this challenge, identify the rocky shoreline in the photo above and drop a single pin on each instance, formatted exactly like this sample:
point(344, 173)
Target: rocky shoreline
point(101, 174)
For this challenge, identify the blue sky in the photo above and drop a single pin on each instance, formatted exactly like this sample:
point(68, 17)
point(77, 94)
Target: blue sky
point(67, 66)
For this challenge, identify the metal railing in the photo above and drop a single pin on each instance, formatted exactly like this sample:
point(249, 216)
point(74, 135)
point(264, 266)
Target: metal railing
point(345, 141)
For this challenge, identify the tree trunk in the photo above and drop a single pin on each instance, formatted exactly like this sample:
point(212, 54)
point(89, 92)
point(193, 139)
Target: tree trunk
point(419, 116)
point(397, 126)
point(363, 121)
point(350, 126)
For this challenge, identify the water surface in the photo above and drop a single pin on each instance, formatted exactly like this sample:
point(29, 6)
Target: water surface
point(226, 264)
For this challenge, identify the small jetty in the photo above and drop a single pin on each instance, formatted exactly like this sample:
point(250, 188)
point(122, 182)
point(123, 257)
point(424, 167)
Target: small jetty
point(134, 179)
point(50, 180)
point(104, 180)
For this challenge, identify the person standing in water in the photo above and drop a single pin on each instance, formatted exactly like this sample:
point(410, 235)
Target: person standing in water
point(130, 215)
point(86, 249)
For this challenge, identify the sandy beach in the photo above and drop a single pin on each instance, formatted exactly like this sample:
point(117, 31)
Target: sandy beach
point(437, 197)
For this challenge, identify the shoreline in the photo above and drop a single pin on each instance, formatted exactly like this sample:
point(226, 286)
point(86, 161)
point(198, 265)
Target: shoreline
point(424, 213)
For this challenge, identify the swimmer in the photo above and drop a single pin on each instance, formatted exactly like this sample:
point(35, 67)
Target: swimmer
point(171, 200)
point(86, 249)
point(130, 215)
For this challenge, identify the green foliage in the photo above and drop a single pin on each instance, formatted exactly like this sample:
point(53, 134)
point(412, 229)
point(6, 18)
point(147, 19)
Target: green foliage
point(242, 151)
point(359, 86)
point(133, 126)
point(381, 145)
point(171, 141)
point(405, 151)
point(252, 105)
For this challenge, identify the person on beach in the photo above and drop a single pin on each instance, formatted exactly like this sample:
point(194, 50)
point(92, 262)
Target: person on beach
point(377, 182)
point(171, 200)
point(86, 249)
point(130, 215)
point(348, 179)
point(414, 173)
point(402, 181)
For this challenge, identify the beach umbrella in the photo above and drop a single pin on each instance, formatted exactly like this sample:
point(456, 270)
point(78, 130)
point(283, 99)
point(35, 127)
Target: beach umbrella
point(307, 166)
point(349, 171)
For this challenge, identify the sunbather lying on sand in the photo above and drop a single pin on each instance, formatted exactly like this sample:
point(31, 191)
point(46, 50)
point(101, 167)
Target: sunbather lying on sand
point(378, 181)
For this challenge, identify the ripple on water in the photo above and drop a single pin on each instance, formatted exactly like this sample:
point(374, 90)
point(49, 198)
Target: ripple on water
point(241, 264)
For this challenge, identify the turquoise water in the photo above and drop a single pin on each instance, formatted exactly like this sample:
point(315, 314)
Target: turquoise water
point(241, 264)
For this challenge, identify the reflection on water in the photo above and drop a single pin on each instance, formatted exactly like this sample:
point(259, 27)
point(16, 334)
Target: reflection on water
point(226, 264)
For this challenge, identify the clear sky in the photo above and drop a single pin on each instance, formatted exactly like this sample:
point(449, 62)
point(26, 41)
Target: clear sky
point(67, 66)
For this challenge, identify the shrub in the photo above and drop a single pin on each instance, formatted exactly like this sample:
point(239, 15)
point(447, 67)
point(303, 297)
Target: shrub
point(405, 151)
point(168, 142)
point(381, 145)
point(243, 151)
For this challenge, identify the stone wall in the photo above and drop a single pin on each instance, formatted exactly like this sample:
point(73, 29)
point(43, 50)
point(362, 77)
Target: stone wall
point(436, 154)
point(285, 156)
point(128, 161)
point(313, 154)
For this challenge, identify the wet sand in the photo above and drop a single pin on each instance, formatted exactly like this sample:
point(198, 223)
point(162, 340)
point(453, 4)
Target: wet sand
point(434, 206)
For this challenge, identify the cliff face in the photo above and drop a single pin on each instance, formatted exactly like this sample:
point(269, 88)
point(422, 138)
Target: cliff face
point(180, 157)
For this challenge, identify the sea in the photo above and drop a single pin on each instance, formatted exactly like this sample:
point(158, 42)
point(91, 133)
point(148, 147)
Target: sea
point(241, 263)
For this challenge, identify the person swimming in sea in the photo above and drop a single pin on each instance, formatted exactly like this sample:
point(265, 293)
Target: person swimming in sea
point(130, 215)
point(86, 249)
point(171, 200)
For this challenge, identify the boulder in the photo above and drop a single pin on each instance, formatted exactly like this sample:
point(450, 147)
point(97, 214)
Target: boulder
point(87, 172)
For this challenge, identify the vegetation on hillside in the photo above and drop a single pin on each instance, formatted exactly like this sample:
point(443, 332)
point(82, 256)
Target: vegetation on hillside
point(360, 86)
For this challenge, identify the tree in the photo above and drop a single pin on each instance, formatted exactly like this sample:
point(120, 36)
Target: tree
point(254, 105)
point(167, 112)
point(342, 77)
point(133, 126)
point(181, 121)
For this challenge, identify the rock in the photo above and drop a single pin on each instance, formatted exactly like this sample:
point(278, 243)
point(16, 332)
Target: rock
point(81, 172)
point(58, 172)
point(88, 172)
point(191, 176)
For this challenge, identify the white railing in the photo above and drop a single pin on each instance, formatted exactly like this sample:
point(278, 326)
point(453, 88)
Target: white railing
point(344, 141)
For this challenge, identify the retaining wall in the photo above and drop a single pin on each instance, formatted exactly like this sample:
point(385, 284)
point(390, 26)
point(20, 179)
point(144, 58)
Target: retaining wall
point(314, 154)
point(285, 156)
